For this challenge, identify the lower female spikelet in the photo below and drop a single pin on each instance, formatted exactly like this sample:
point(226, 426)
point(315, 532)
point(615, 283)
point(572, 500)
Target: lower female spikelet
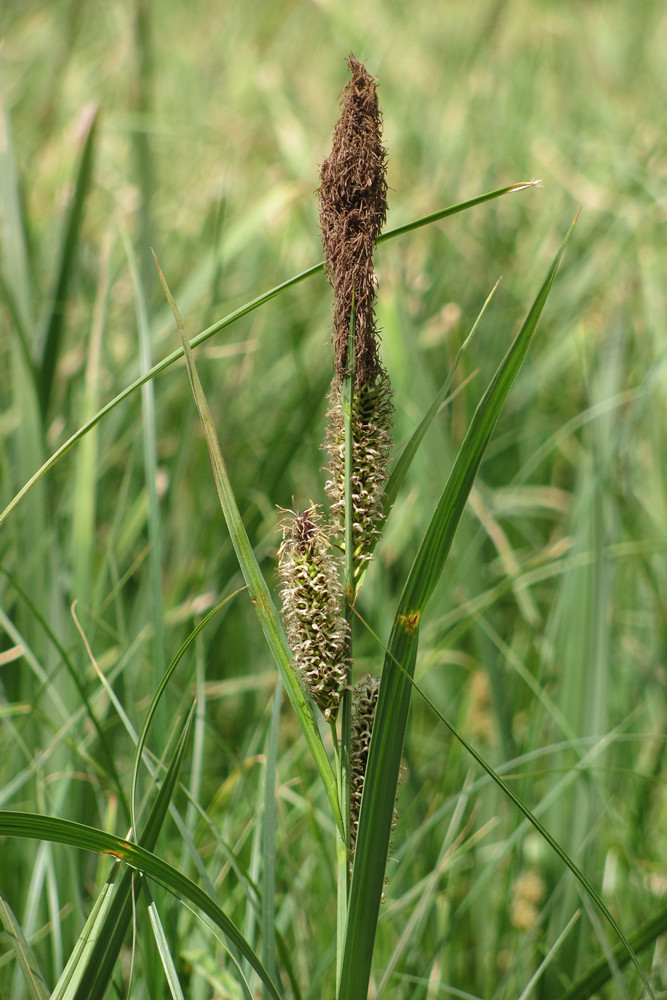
point(312, 602)
point(364, 700)
point(364, 703)
point(371, 432)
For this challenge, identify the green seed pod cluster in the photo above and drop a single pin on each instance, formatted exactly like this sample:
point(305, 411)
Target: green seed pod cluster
point(371, 433)
point(312, 602)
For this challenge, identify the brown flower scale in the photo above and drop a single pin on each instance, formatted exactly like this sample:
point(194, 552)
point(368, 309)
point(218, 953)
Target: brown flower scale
point(312, 603)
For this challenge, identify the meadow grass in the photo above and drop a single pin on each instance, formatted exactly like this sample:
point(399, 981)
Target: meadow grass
point(543, 643)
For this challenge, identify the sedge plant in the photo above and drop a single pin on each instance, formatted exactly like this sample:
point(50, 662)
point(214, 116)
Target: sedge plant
point(314, 652)
point(353, 722)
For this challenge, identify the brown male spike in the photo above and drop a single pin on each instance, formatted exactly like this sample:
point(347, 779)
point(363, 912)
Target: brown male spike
point(353, 208)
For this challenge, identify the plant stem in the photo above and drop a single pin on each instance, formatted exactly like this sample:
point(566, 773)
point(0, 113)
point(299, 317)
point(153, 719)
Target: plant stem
point(343, 844)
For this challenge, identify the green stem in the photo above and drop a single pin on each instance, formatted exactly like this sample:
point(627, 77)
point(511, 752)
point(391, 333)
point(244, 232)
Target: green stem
point(341, 852)
point(343, 843)
point(348, 406)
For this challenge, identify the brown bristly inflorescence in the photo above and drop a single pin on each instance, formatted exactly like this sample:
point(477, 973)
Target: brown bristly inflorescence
point(312, 601)
point(353, 208)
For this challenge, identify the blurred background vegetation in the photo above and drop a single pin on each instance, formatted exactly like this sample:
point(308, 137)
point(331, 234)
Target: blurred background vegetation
point(546, 640)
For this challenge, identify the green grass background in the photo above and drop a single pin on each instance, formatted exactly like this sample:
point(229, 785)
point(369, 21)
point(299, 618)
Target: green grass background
point(545, 642)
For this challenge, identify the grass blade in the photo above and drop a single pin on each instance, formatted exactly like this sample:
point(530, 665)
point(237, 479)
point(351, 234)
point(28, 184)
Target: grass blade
point(80, 956)
point(227, 321)
point(55, 323)
point(163, 948)
point(601, 972)
point(61, 831)
point(91, 977)
point(445, 213)
point(16, 279)
point(85, 498)
point(269, 825)
point(259, 592)
point(149, 435)
point(32, 975)
point(404, 461)
point(386, 747)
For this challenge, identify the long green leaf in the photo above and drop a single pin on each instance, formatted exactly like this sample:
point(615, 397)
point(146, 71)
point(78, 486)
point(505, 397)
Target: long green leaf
point(16, 286)
point(161, 688)
point(404, 461)
point(90, 977)
point(62, 831)
point(592, 981)
point(625, 946)
point(55, 323)
point(445, 213)
point(257, 588)
point(32, 974)
point(80, 955)
point(85, 485)
point(377, 807)
point(150, 450)
point(163, 948)
point(269, 825)
point(228, 320)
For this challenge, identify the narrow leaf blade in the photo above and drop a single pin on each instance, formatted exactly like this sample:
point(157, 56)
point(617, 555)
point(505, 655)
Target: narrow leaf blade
point(79, 958)
point(163, 948)
point(32, 974)
point(259, 592)
point(55, 323)
point(96, 966)
point(227, 321)
point(384, 760)
point(61, 831)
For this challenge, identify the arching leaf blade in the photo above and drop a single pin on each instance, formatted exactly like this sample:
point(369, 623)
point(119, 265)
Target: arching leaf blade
point(61, 831)
point(252, 574)
point(227, 321)
point(104, 932)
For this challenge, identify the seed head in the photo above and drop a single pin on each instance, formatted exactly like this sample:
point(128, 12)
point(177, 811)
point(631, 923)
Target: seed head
point(371, 432)
point(312, 602)
point(364, 700)
point(353, 208)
